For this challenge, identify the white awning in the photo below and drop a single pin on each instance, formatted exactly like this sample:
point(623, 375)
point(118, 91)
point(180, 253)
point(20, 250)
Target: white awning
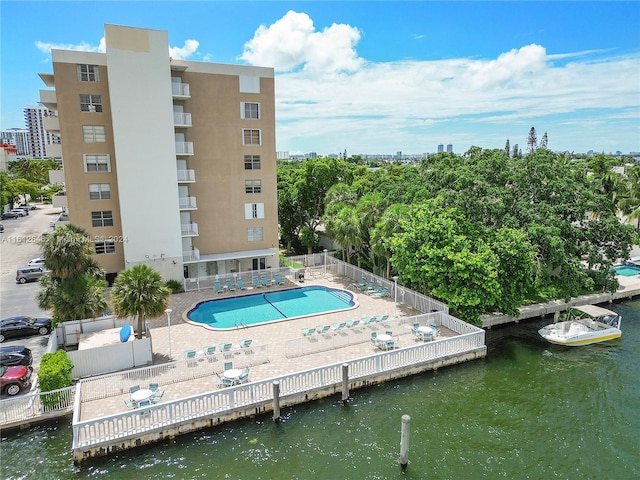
point(219, 257)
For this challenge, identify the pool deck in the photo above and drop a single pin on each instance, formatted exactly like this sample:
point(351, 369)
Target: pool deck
point(272, 337)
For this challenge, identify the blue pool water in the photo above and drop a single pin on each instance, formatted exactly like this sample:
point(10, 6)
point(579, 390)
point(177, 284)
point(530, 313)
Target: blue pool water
point(268, 307)
point(626, 270)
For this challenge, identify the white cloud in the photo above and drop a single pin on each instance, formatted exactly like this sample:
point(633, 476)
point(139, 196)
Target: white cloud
point(293, 42)
point(185, 52)
point(46, 47)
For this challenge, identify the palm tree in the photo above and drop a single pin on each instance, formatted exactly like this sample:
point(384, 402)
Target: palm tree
point(387, 226)
point(67, 251)
point(630, 198)
point(140, 291)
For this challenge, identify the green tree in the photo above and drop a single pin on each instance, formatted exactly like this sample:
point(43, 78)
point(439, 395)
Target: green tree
point(532, 141)
point(140, 292)
point(630, 197)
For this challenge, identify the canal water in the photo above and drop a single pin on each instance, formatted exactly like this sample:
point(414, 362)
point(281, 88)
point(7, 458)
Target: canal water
point(530, 410)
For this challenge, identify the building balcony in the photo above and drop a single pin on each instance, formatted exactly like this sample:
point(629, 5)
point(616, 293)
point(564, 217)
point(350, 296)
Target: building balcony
point(181, 120)
point(48, 99)
point(51, 124)
point(54, 150)
point(190, 229)
point(184, 148)
point(187, 203)
point(56, 177)
point(186, 176)
point(192, 255)
point(59, 200)
point(180, 90)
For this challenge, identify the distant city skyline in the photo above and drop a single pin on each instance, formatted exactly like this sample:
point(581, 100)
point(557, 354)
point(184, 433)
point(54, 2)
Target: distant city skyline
point(394, 76)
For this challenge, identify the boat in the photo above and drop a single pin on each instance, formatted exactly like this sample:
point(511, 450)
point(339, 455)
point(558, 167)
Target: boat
point(583, 326)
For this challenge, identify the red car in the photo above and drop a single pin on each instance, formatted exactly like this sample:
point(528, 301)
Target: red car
point(14, 379)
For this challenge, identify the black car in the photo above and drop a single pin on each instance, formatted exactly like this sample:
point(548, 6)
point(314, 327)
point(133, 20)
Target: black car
point(9, 216)
point(15, 355)
point(22, 326)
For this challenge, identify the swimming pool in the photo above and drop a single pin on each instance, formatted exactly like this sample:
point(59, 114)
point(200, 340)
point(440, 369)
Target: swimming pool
point(267, 307)
point(626, 270)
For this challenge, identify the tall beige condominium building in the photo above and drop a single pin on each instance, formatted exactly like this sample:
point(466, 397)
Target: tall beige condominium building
point(167, 162)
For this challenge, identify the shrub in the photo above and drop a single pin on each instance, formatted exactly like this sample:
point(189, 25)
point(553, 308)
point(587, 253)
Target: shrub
point(55, 373)
point(175, 286)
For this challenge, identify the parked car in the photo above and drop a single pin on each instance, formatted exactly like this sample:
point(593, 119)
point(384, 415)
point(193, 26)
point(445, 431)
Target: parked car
point(29, 274)
point(13, 355)
point(22, 326)
point(14, 379)
point(1, 227)
point(26, 205)
point(20, 212)
point(10, 215)
point(36, 262)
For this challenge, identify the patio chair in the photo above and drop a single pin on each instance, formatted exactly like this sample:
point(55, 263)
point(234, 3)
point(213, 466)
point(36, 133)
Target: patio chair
point(154, 387)
point(256, 282)
point(218, 287)
point(157, 396)
point(244, 378)
point(241, 284)
point(230, 286)
point(389, 332)
point(308, 331)
point(144, 403)
point(221, 379)
point(374, 339)
point(135, 388)
point(278, 279)
point(264, 281)
point(227, 382)
point(228, 366)
point(130, 403)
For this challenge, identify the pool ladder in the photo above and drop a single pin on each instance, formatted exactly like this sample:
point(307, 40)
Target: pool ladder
point(240, 323)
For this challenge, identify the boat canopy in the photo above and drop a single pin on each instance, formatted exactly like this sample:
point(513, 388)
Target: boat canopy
point(595, 311)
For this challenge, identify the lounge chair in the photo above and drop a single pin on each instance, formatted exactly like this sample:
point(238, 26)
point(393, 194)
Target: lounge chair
point(278, 279)
point(225, 347)
point(381, 318)
point(382, 293)
point(209, 350)
point(359, 284)
point(264, 281)
point(230, 285)
point(338, 325)
point(190, 357)
point(244, 343)
point(366, 287)
point(368, 320)
point(353, 323)
point(308, 331)
point(322, 329)
point(375, 290)
point(256, 282)
point(241, 284)
point(218, 287)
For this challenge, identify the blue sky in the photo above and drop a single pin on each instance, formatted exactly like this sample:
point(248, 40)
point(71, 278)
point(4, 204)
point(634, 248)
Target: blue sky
point(380, 76)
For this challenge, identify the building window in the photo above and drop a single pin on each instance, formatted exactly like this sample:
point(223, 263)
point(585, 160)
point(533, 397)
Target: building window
point(97, 162)
point(254, 234)
point(93, 133)
point(102, 219)
point(99, 191)
point(252, 162)
point(250, 110)
point(249, 84)
point(250, 136)
point(253, 210)
point(106, 246)
point(252, 186)
point(90, 103)
point(88, 73)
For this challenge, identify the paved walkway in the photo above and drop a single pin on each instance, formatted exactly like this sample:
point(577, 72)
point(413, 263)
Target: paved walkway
point(269, 358)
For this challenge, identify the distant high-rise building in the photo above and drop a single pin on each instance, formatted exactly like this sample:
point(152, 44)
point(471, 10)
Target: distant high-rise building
point(450, 148)
point(282, 155)
point(39, 136)
point(18, 137)
point(440, 148)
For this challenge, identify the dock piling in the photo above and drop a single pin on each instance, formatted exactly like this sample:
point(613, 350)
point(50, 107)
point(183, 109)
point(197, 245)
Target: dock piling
point(276, 401)
point(345, 382)
point(404, 441)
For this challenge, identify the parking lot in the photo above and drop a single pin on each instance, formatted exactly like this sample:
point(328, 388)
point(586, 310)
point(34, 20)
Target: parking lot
point(19, 243)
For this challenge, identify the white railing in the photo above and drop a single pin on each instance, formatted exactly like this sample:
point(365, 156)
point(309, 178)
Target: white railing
point(163, 415)
point(36, 405)
point(181, 119)
point(186, 175)
point(204, 283)
point(180, 90)
point(187, 203)
point(191, 255)
point(189, 229)
point(184, 148)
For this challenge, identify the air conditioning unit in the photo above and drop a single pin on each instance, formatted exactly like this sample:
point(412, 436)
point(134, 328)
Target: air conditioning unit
point(92, 108)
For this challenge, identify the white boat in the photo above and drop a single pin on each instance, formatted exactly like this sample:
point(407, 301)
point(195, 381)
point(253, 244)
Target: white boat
point(583, 326)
